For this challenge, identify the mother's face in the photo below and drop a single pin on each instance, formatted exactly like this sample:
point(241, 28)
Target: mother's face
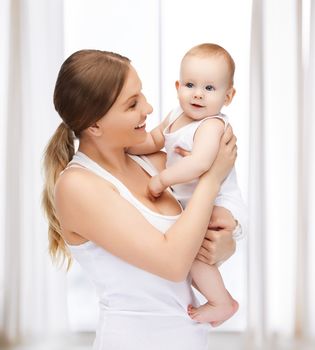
point(124, 124)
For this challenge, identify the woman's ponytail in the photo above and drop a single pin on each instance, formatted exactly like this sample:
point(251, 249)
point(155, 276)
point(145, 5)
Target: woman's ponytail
point(88, 84)
point(58, 154)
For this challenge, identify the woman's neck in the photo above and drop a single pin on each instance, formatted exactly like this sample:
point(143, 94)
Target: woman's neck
point(112, 159)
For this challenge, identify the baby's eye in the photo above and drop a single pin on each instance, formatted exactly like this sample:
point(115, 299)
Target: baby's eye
point(189, 85)
point(210, 88)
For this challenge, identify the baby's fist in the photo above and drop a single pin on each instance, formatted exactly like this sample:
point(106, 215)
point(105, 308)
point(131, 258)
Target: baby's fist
point(155, 187)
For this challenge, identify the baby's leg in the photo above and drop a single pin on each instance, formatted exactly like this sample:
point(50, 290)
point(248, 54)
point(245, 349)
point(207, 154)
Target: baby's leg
point(220, 306)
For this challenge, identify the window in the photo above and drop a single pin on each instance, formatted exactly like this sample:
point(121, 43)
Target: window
point(155, 34)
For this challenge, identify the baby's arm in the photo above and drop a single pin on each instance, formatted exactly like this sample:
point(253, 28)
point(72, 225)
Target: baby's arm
point(154, 140)
point(205, 148)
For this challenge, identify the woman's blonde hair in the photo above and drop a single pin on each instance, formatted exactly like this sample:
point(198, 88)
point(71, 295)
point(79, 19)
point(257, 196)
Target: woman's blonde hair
point(88, 84)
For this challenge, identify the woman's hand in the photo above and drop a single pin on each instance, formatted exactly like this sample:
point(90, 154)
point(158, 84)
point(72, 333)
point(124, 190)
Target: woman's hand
point(217, 247)
point(225, 158)
point(222, 218)
point(218, 244)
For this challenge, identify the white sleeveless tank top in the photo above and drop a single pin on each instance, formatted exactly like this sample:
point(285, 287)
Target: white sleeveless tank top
point(138, 310)
point(184, 138)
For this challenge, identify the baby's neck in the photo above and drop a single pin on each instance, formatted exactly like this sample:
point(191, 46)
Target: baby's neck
point(185, 119)
point(182, 121)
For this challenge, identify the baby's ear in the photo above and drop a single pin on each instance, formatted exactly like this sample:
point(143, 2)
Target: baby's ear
point(229, 96)
point(177, 84)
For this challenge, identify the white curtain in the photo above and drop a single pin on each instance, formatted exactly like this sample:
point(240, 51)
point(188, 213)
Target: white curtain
point(309, 171)
point(282, 129)
point(32, 291)
point(281, 254)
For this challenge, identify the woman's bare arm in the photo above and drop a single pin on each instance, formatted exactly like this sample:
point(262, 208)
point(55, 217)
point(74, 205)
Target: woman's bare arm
point(219, 242)
point(98, 213)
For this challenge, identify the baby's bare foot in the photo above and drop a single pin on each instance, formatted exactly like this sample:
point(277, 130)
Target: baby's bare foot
point(215, 315)
point(234, 309)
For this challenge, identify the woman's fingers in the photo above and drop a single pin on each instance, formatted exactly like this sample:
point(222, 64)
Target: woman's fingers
point(229, 139)
point(205, 251)
point(232, 141)
point(206, 256)
point(203, 259)
point(228, 134)
point(207, 245)
point(217, 246)
point(228, 145)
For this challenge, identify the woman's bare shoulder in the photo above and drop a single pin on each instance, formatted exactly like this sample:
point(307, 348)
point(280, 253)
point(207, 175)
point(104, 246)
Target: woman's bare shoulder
point(77, 185)
point(158, 159)
point(79, 179)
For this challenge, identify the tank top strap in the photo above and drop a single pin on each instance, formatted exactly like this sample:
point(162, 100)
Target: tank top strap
point(82, 160)
point(86, 162)
point(145, 164)
point(175, 113)
point(220, 116)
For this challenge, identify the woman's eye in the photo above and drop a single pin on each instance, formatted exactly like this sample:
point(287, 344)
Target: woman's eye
point(189, 85)
point(210, 88)
point(133, 105)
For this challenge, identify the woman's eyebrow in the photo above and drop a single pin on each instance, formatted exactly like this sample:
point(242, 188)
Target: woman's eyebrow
point(130, 98)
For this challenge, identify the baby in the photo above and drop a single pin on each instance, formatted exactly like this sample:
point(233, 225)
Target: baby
point(204, 87)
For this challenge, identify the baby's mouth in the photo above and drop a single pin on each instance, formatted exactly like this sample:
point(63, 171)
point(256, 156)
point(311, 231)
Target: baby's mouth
point(196, 105)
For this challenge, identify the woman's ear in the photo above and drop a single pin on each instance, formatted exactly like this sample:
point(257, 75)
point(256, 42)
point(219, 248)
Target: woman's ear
point(94, 130)
point(229, 96)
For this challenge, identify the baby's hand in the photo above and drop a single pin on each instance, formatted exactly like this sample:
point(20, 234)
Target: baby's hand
point(155, 187)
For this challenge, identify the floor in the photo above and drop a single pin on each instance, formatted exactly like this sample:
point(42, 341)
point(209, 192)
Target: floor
point(219, 341)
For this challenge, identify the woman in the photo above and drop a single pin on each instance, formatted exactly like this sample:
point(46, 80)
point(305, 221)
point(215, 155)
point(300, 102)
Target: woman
point(137, 252)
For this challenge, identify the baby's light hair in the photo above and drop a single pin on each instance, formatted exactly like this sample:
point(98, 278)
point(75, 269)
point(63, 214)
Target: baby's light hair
point(209, 49)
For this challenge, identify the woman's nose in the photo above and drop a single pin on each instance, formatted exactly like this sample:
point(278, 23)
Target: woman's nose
point(148, 109)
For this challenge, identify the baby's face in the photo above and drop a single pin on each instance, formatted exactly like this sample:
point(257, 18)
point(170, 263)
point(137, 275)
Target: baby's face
point(204, 86)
